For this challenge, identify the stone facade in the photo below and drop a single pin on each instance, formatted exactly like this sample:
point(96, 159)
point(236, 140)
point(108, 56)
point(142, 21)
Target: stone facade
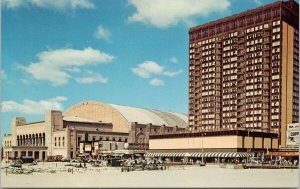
point(61, 133)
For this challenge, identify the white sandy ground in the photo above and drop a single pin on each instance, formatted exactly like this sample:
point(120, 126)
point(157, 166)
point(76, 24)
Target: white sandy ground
point(188, 176)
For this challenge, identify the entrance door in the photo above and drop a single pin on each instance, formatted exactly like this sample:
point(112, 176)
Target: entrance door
point(36, 155)
point(43, 155)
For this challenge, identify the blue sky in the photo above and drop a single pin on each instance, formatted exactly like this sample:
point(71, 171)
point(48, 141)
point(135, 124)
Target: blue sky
point(59, 53)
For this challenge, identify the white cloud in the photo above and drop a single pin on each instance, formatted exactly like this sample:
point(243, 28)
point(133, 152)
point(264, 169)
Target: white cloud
point(258, 2)
point(156, 82)
point(172, 74)
point(92, 78)
point(3, 75)
point(33, 107)
point(53, 65)
point(102, 33)
point(59, 98)
point(149, 68)
point(163, 13)
point(55, 4)
point(174, 60)
point(76, 70)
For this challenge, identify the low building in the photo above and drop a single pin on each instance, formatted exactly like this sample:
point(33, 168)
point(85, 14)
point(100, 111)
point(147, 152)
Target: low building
point(211, 145)
point(90, 128)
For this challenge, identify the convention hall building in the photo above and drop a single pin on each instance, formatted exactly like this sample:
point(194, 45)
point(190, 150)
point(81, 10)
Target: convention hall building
point(90, 129)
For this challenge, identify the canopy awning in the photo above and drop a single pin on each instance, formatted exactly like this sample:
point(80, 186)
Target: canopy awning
point(200, 154)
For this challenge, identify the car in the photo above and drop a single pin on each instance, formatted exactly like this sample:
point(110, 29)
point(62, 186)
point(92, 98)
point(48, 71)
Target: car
point(75, 161)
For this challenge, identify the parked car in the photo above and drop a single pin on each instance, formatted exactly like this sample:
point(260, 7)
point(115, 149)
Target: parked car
point(26, 159)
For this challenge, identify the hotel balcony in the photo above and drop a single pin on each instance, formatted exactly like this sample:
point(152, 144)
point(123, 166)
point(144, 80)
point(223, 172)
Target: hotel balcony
point(241, 41)
point(265, 53)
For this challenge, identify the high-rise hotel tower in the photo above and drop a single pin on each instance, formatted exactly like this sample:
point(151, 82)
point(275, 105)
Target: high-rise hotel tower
point(244, 71)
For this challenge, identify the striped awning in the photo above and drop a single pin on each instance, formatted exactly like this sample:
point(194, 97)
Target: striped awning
point(200, 154)
point(165, 154)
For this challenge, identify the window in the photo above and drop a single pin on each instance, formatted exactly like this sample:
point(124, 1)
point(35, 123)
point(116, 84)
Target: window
point(58, 141)
point(54, 141)
point(63, 141)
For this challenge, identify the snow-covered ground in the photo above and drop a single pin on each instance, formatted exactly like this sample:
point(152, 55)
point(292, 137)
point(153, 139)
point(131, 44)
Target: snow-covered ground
point(187, 176)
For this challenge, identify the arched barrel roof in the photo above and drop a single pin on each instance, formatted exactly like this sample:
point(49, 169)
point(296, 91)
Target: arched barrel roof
point(121, 116)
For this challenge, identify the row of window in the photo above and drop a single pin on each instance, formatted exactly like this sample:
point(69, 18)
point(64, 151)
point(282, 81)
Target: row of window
point(208, 122)
point(58, 142)
point(203, 42)
point(209, 87)
point(256, 60)
point(256, 80)
point(253, 125)
point(252, 42)
point(229, 72)
point(229, 54)
point(7, 143)
point(254, 49)
point(257, 28)
point(230, 41)
point(94, 138)
point(228, 66)
point(228, 102)
point(228, 120)
point(210, 75)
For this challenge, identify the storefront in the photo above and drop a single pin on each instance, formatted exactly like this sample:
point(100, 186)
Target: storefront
point(288, 154)
point(212, 146)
